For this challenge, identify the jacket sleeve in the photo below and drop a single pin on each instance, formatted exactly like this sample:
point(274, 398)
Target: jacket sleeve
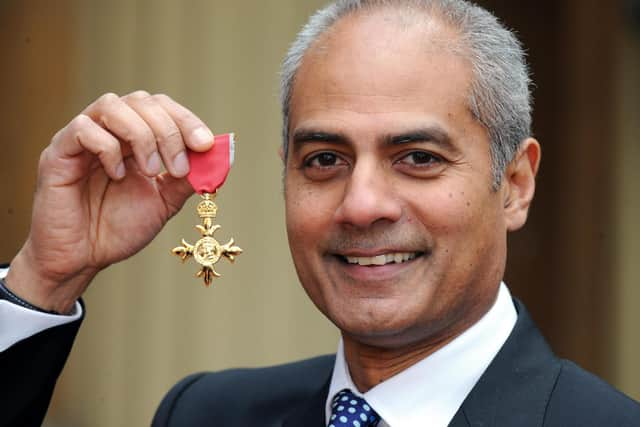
point(30, 369)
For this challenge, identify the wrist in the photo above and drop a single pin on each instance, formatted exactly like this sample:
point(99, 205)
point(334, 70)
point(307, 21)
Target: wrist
point(6, 294)
point(46, 293)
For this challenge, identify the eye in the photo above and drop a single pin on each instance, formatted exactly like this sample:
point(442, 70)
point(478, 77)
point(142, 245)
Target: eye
point(324, 165)
point(421, 159)
point(421, 164)
point(323, 160)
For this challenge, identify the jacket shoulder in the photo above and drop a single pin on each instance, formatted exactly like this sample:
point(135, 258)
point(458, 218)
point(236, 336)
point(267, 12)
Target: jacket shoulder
point(249, 396)
point(580, 398)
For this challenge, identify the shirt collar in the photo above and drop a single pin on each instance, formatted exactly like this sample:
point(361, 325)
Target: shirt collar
point(431, 391)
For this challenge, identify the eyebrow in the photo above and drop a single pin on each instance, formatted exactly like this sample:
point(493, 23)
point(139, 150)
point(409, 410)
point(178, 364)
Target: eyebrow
point(432, 134)
point(302, 136)
point(429, 134)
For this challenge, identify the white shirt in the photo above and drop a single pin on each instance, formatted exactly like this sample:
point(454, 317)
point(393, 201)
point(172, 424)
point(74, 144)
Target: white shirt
point(18, 323)
point(430, 392)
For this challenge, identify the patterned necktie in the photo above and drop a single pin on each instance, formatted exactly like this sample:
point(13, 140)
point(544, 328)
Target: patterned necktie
point(347, 409)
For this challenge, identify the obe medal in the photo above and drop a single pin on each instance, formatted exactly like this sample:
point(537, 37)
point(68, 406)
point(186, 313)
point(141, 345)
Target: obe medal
point(208, 172)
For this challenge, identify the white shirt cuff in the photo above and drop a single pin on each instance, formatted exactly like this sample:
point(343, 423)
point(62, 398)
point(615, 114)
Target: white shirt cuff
point(18, 323)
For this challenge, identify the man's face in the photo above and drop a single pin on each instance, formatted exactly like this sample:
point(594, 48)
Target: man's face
point(395, 231)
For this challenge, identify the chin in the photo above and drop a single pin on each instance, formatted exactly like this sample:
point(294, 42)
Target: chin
point(378, 323)
point(399, 322)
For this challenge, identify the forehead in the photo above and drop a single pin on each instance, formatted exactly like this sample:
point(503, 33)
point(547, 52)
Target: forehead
point(379, 63)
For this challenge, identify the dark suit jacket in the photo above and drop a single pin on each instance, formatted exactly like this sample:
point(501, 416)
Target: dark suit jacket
point(526, 385)
point(29, 371)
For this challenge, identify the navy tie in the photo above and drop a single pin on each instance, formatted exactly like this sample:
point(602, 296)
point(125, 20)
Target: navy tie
point(347, 409)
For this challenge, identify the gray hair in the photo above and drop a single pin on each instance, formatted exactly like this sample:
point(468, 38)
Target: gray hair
point(499, 97)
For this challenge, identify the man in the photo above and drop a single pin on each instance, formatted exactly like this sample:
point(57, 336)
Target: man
point(408, 158)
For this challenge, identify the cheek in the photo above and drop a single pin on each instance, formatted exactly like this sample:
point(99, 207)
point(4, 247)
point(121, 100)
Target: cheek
point(444, 212)
point(307, 221)
point(309, 213)
point(461, 220)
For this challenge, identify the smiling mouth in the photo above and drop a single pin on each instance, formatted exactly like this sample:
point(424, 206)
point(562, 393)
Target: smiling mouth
point(379, 260)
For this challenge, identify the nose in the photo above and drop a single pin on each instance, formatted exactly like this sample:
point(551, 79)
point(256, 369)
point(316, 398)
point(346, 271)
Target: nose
point(368, 197)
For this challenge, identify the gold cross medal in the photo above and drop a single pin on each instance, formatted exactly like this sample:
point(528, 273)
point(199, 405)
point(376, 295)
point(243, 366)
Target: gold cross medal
point(208, 171)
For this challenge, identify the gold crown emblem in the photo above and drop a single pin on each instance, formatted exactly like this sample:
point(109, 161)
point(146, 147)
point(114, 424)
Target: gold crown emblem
point(207, 209)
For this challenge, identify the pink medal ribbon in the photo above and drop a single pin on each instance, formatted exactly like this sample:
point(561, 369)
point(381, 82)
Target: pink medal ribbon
point(209, 171)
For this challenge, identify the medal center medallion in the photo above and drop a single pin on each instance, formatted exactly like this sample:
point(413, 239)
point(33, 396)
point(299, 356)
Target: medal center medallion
point(207, 251)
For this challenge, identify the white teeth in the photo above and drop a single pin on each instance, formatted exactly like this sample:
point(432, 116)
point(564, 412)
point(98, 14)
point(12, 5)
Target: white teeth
point(398, 257)
point(379, 260)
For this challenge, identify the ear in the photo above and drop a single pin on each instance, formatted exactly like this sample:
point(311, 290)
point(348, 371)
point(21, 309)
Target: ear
point(520, 184)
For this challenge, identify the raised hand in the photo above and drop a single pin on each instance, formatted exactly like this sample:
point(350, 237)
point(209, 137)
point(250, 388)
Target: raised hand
point(100, 196)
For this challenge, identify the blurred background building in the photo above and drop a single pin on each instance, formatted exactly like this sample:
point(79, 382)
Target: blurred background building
point(149, 323)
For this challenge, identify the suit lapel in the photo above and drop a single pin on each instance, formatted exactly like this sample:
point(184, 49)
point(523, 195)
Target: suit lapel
point(459, 420)
point(516, 387)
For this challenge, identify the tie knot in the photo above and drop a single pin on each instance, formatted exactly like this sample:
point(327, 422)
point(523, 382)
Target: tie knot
point(347, 409)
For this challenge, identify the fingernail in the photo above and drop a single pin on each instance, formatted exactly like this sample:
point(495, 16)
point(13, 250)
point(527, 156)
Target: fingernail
point(120, 170)
point(181, 164)
point(202, 136)
point(154, 163)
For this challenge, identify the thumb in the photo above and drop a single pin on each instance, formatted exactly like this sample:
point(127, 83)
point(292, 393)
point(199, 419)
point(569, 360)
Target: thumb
point(174, 191)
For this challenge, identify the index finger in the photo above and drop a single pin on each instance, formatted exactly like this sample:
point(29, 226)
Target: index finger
point(196, 135)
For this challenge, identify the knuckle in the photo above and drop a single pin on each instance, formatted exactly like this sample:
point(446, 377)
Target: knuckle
point(79, 123)
point(45, 158)
point(141, 96)
point(185, 118)
point(108, 145)
point(161, 97)
point(172, 136)
point(139, 135)
point(76, 127)
point(129, 136)
point(109, 98)
point(106, 149)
